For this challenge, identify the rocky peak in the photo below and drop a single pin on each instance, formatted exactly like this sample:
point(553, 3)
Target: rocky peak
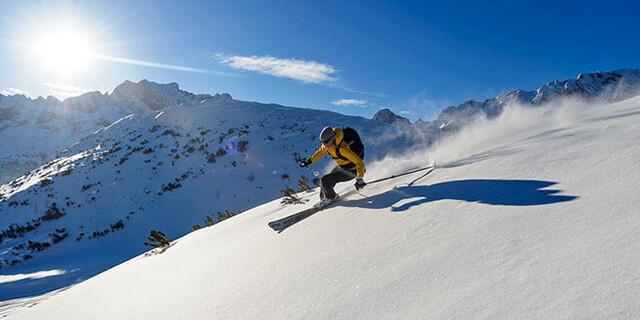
point(386, 115)
point(223, 97)
point(147, 94)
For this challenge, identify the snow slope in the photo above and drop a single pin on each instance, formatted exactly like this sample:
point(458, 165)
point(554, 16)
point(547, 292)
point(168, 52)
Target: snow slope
point(533, 215)
point(166, 169)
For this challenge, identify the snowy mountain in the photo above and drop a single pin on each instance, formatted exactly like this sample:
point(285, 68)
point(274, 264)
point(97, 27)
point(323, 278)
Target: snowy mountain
point(93, 207)
point(529, 215)
point(35, 130)
point(607, 86)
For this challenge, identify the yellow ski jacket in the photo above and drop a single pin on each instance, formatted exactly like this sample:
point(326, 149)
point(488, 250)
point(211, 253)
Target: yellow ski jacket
point(349, 159)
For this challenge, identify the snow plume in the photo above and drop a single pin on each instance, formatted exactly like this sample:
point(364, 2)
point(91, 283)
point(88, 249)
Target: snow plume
point(486, 137)
point(481, 139)
point(402, 147)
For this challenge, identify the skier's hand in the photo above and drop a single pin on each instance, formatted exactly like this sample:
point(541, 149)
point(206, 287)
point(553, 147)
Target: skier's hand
point(360, 183)
point(305, 163)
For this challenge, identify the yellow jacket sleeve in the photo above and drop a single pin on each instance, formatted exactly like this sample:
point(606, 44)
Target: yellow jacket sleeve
point(318, 154)
point(353, 157)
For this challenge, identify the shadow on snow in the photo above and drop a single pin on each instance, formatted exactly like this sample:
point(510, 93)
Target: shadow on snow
point(494, 192)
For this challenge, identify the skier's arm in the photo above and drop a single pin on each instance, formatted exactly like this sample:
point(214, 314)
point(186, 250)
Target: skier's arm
point(318, 154)
point(353, 157)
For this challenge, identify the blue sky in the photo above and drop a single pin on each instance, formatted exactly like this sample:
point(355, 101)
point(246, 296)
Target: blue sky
point(354, 57)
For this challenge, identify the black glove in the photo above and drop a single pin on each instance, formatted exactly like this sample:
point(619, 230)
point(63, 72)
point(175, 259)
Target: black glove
point(359, 183)
point(305, 163)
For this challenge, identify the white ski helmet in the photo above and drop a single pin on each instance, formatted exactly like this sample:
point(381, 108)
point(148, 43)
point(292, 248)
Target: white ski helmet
point(326, 134)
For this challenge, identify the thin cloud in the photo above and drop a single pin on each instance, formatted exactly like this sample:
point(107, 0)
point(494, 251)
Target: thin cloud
point(62, 91)
point(151, 64)
point(13, 91)
point(351, 90)
point(306, 71)
point(349, 102)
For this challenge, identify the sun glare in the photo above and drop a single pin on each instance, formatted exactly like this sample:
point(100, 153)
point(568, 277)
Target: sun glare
point(64, 50)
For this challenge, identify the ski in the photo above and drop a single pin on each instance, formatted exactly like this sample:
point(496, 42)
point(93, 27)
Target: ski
point(281, 224)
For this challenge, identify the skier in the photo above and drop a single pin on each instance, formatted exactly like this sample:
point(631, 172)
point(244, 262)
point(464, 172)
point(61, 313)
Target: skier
point(345, 146)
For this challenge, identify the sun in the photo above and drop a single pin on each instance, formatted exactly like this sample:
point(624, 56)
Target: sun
point(63, 50)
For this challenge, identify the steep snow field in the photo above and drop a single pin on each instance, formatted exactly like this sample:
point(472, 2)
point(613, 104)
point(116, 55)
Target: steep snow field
point(533, 215)
point(167, 170)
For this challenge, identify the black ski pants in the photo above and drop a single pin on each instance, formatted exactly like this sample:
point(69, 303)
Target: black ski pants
point(331, 179)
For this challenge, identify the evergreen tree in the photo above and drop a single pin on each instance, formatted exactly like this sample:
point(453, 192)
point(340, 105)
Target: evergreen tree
point(290, 196)
point(157, 239)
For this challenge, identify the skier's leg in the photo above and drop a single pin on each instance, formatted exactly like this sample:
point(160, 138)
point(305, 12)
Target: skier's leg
point(330, 180)
point(324, 182)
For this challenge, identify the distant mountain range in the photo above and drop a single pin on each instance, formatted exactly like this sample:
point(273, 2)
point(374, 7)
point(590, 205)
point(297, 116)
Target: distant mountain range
point(608, 86)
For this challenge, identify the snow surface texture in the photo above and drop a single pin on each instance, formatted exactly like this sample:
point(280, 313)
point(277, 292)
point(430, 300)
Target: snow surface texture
point(533, 215)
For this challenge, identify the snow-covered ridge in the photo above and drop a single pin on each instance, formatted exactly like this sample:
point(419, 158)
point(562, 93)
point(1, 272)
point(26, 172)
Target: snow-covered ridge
point(35, 130)
point(607, 86)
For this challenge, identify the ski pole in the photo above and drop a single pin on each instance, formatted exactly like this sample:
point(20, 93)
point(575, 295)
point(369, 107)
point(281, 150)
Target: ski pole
point(401, 174)
point(315, 173)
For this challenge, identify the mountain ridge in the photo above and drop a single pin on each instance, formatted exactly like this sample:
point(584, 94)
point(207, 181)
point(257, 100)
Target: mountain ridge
point(42, 127)
point(609, 86)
